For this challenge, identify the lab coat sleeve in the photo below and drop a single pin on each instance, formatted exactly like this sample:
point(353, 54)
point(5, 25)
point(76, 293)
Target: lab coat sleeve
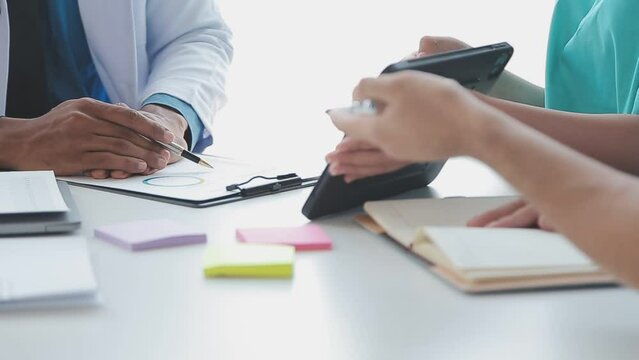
point(189, 49)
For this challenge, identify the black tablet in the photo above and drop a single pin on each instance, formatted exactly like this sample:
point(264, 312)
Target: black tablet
point(475, 68)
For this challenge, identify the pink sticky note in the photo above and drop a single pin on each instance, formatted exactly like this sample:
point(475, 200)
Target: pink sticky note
point(150, 234)
point(308, 237)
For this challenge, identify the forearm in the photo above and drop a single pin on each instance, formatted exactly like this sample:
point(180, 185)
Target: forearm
point(593, 205)
point(513, 88)
point(609, 138)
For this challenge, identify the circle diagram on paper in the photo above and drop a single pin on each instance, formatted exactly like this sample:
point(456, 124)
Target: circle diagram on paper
point(173, 181)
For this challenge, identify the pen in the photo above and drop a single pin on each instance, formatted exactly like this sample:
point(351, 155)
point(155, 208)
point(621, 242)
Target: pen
point(182, 152)
point(176, 149)
point(364, 107)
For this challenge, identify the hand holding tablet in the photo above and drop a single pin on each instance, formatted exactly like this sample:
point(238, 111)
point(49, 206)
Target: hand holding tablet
point(476, 69)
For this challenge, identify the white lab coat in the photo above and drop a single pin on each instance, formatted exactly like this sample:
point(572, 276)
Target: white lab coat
point(143, 47)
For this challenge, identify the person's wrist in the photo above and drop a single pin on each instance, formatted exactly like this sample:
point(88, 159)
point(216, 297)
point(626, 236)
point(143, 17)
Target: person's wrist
point(14, 138)
point(176, 123)
point(489, 129)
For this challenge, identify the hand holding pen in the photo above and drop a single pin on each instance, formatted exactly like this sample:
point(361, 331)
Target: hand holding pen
point(170, 118)
point(160, 118)
point(176, 149)
point(173, 120)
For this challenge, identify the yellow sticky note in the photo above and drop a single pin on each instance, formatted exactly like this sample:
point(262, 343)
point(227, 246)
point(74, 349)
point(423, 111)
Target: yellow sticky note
point(249, 260)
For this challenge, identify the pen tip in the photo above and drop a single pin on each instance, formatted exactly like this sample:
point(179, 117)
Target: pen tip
point(204, 163)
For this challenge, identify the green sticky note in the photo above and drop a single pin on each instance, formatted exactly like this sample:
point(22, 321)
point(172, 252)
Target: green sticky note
point(249, 260)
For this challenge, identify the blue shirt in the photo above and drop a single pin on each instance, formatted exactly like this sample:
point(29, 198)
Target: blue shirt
point(593, 57)
point(71, 73)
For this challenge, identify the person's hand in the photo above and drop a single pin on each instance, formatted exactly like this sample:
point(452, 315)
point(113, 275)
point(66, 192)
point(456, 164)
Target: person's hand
point(85, 134)
point(421, 117)
point(172, 120)
point(168, 118)
point(431, 45)
point(357, 159)
point(516, 214)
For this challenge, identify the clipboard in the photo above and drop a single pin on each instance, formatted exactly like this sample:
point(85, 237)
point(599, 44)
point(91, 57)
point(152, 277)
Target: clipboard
point(190, 185)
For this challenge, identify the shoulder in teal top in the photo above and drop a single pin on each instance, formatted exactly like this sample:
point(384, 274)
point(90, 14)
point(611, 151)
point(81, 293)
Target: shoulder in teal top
point(593, 57)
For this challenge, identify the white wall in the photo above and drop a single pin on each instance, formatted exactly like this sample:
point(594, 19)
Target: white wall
point(294, 59)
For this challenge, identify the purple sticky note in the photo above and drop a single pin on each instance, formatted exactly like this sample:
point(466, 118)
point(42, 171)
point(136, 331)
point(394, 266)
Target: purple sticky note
point(150, 234)
point(308, 237)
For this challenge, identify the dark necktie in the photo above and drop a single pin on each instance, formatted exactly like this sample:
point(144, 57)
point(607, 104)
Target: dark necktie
point(27, 87)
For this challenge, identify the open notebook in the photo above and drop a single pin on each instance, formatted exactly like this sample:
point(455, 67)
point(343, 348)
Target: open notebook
point(481, 259)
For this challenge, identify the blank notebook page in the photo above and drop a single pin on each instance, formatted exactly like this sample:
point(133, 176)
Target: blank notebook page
point(402, 218)
point(492, 248)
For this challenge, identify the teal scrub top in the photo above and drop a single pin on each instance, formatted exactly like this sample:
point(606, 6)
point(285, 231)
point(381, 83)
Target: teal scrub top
point(593, 57)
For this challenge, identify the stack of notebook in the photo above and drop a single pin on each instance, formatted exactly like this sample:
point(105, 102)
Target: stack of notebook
point(481, 259)
point(46, 271)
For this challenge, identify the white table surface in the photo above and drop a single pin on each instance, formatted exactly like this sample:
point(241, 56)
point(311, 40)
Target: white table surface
point(365, 299)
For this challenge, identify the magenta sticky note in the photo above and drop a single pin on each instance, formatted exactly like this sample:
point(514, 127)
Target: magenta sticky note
point(150, 234)
point(307, 237)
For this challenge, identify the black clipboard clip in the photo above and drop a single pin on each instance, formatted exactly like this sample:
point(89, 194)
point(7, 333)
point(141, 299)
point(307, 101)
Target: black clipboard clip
point(284, 182)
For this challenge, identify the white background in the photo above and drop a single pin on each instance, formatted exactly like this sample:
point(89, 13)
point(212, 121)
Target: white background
point(366, 299)
point(295, 59)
